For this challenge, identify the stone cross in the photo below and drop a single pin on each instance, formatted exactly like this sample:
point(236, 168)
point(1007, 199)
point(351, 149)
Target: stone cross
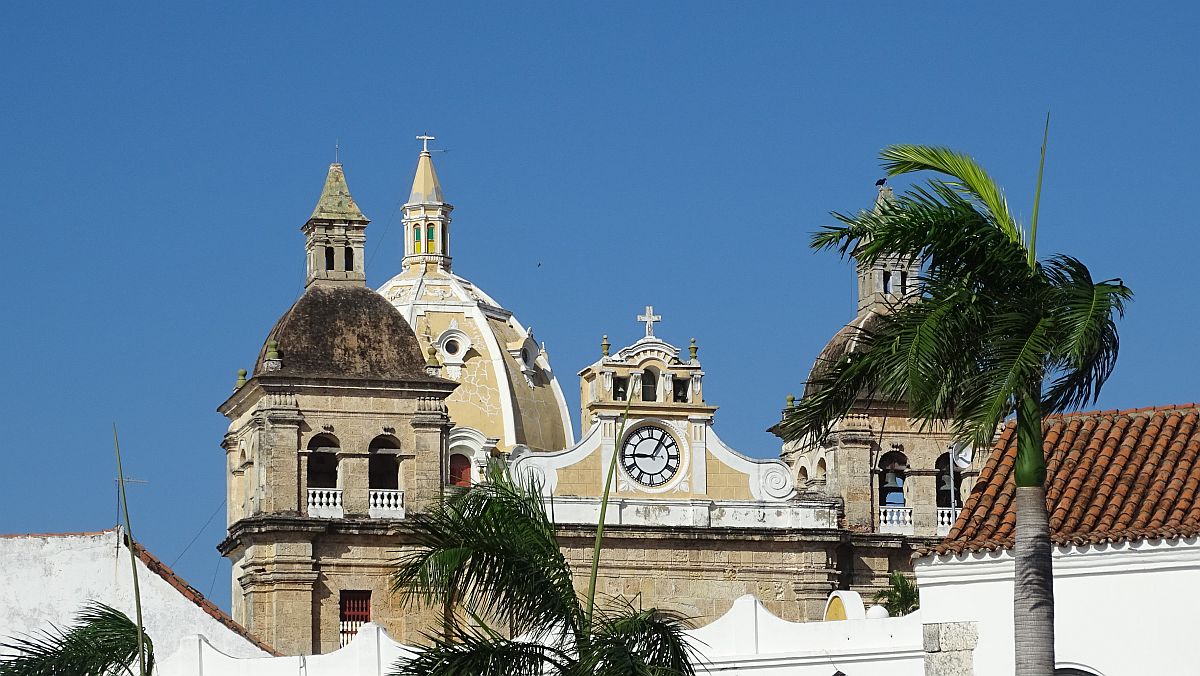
point(425, 139)
point(650, 318)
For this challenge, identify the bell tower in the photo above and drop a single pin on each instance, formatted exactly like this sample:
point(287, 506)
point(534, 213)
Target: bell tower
point(335, 235)
point(426, 218)
point(887, 281)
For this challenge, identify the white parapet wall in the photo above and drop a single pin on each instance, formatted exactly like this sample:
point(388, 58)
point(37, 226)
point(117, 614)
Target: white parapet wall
point(1120, 608)
point(49, 577)
point(746, 641)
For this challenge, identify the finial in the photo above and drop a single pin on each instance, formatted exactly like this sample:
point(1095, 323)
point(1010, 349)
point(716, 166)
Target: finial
point(649, 318)
point(604, 345)
point(337, 147)
point(791, 400)
point(241, 379)
point(431, 356)
point(272, 349)
point(425, 139)
point(693, 349)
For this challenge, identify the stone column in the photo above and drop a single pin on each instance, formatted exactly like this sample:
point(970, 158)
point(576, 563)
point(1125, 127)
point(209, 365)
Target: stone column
point(850, 475)
point(354, 480)
point(279, 453)
point(424, 474)
point(921, 494)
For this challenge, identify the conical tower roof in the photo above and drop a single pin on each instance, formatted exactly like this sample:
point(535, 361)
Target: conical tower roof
point(335, 203)
point(425, 188)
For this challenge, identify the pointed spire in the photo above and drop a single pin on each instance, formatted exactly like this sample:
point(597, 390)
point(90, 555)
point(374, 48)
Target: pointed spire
point(425, 188)
point(335, 203)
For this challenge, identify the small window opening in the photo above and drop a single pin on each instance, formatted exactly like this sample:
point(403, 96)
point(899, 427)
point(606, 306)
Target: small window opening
point(354, 610)
point(650, 385)
point(349, 259)
point(322, 470)
point(383, 472)
point(802, 475)
point(887, 281)
point(903, 282)
point(893, 469)
point(949, 493)
point(460, 470)
point(820, 475)
point(416, 239)
point(680, 389)
point(329, 258)
point(525, 357)
point(620, 388)
point(451, 347)
point(430, 239)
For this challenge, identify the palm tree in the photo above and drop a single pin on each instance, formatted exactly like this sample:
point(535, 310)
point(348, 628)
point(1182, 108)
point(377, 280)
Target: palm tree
point(900, 597)
point(490, 555)
point(103, 641)
point(990, 330)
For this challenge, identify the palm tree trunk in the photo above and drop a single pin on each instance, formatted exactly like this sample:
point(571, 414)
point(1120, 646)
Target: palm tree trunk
point(1033, 576)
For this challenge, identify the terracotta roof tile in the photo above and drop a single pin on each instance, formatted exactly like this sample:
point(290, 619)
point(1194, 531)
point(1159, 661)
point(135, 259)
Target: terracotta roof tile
point(190, 593)
point(1110, 475)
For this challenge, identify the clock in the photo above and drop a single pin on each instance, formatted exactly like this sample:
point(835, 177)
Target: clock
point(650, 456)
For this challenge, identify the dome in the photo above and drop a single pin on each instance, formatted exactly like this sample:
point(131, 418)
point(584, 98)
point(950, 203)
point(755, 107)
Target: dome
point(842, 344)
point(507, 389)
point(344, 331)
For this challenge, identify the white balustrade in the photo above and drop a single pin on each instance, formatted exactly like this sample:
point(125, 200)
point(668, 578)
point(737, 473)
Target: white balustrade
point(325, 503)
point(946, 516)
point(898, 520)
point(386, 504)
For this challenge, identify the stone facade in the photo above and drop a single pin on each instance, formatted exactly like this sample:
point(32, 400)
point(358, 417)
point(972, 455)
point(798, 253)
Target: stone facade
point(340, 432)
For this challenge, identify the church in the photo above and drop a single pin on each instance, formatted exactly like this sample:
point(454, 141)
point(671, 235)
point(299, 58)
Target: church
point(363, 406)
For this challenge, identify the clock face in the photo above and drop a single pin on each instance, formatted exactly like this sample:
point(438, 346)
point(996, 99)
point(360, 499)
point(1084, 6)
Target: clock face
point(650, 456)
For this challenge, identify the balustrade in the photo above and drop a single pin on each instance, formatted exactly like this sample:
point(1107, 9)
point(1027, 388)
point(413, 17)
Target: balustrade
point(898, 520)
point(946, 516)
point(325, 503)
point(386, 504)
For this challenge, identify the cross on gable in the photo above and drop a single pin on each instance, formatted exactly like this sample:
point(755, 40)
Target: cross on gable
point(649, 318)
point(425, 139)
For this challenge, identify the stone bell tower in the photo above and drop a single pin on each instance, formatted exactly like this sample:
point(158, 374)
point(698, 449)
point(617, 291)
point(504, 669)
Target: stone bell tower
point(338, 436)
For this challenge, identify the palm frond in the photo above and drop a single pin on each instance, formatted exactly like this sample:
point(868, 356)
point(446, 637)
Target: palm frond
point(639, 643)
point(970, 178)
point(102, 641)
point(901, 596)
point(1088, 344)
point(492, 549)
point(481, 652)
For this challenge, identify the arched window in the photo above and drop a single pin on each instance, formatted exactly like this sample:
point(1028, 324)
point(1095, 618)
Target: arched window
point(323, 461)
point(949, 491)
point(417, 239)
point(460, 470)
point(820, 473)
point(650, 385)
point(430, 239)
point(329, 258)
point(349, 259)
point(802, 475)
point(383, 465)
point(893, 467)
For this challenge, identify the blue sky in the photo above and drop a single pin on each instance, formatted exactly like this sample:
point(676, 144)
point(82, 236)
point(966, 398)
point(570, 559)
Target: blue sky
point(159, 161)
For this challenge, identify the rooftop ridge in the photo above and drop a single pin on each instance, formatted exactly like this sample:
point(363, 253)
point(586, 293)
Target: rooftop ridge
point(192, 594)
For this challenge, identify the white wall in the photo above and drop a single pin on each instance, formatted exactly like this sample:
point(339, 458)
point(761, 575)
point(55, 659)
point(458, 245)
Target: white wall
point(748, 640)
point(1119, 609)
point(48, 578)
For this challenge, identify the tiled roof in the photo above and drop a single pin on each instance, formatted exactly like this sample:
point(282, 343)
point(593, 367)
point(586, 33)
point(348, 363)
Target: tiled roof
point(1110, 476)
point(190, 593)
